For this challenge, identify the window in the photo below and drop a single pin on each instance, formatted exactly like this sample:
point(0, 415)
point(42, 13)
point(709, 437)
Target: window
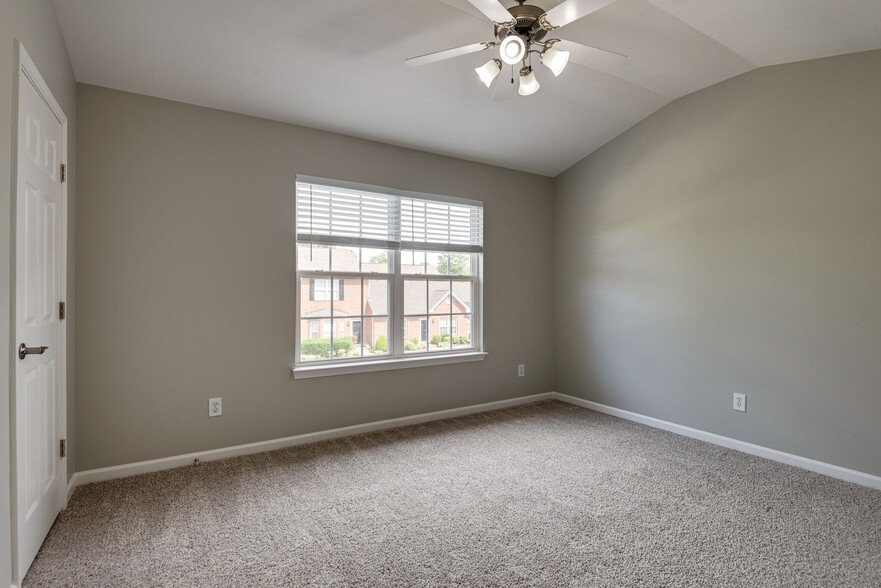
point(449, 325)
point(391, 275)
point(323, 289)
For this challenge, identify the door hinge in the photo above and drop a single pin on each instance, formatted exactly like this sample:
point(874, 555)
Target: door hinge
point(64, 448)
point(63, 172)
point(61, 311)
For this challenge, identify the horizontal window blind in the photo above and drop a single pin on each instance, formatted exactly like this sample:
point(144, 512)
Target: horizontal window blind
point(341, 213)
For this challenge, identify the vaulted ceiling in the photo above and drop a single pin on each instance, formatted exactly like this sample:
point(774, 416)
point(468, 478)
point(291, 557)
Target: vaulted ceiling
point(338, 65)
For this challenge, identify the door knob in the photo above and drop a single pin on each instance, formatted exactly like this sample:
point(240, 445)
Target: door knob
point(24, 350)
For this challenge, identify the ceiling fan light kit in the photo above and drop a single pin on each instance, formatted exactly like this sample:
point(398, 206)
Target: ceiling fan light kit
point(528, 84)
point(555, 60)
point(512, 49)
point(488, 71)
point(521, 33)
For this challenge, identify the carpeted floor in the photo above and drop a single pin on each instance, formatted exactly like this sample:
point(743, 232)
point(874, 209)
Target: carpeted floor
point(540, 495)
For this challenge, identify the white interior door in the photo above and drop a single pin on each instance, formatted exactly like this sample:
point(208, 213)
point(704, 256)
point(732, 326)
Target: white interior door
point(38, 276)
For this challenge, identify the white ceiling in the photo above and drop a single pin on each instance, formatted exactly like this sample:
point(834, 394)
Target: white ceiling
point(338, 65)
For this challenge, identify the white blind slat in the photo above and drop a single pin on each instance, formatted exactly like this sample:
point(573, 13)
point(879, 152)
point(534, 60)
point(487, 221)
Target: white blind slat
point(331, 215)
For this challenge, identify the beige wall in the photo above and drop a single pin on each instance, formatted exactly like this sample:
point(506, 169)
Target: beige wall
point(33, 22)
point(731, 242)
point(185, 273)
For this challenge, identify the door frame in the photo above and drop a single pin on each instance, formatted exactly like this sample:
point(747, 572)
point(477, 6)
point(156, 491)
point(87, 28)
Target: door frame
point(27, 68)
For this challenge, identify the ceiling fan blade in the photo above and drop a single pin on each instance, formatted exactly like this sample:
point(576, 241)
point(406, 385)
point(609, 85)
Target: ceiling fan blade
point(592, 57)
point(466, 7)
point(493, 10)
point(570, 10)
point(446, 54)
point(504, 89)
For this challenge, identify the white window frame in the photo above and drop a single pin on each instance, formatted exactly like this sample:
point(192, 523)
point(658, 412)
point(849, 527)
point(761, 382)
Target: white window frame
point(396, 358)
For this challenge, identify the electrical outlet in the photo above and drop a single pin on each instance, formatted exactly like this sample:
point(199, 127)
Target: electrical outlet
point(740, 402)
point(215, 407)
point(521, 370)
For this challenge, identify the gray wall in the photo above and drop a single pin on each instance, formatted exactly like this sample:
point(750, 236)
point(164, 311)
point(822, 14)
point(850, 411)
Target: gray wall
point(33, 22)
point(731, 243)
point(185, 273)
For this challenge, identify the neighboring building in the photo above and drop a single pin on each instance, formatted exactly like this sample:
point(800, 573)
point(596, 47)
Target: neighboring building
point(334, 306)
point(449, 312)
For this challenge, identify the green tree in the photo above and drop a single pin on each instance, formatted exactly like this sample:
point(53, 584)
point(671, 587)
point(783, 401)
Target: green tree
point(455, 263)
point(379, 258)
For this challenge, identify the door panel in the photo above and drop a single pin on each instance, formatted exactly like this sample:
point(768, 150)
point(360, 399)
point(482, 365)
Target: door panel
point(50, 272)
point(32, 253)
point(37, 294)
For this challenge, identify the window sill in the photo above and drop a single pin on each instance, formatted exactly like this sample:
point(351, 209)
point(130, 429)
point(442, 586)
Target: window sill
point(318, 371)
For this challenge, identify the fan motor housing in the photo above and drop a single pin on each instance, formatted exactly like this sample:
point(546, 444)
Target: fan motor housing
point(526, 19)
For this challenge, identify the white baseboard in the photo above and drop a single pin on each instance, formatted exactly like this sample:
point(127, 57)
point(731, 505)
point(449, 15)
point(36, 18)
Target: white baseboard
point(798, 461)
point(155, 465)
point(165, 463)
point(71, 485)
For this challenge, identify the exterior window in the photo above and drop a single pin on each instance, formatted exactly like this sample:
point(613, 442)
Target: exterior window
point(387, 274)
point(324, 289)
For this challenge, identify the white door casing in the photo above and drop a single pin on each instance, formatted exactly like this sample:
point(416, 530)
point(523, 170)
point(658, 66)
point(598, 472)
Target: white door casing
point(40, 268)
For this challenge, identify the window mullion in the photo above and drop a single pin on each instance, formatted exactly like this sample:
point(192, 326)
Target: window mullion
point(477, 304)
point(397, 306)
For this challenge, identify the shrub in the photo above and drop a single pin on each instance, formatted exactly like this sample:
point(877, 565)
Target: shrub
point(381, 343)
point(321, 347)
point(436, 340)
point(315, 347)
point(342, 346)
point(409, 345)
point(414, 340)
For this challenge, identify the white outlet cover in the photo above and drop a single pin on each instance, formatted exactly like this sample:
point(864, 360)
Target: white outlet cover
point(740, 402)
point(521, 370)
point(215, 407)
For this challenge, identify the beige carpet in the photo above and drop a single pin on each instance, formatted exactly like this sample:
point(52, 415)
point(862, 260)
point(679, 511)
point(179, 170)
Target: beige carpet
point(540, 495)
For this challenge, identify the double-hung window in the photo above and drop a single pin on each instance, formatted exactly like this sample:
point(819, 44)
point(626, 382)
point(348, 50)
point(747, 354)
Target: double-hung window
point(390, 277)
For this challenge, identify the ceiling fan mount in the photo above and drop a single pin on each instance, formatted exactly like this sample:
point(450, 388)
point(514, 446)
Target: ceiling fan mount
point(526, 22)
point(519, 32)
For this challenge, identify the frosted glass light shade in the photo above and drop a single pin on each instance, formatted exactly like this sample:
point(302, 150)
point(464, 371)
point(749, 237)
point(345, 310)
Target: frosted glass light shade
point(528, 84)
point(488, 71)
point(555, 60)
point(512, 49)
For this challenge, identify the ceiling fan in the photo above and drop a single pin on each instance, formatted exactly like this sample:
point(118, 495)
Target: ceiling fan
point(521, 31)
